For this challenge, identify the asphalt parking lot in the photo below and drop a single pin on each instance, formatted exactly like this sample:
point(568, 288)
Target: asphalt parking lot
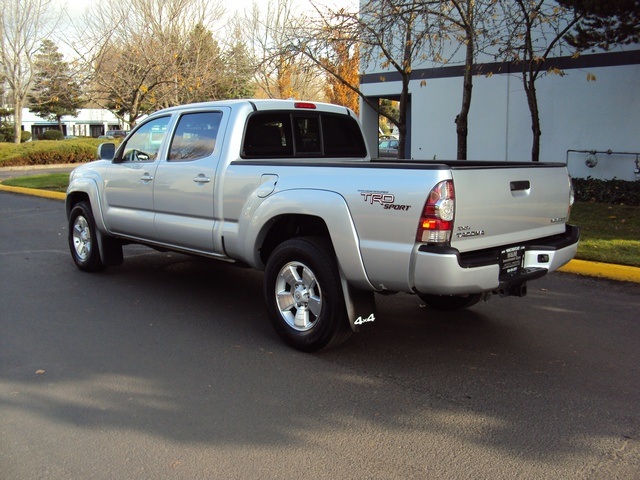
point(166, 367)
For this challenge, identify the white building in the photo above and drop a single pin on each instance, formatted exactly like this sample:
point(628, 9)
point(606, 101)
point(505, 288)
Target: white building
point(592, 110)
point(90, 122)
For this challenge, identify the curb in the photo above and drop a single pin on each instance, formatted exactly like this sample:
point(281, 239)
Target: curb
point(609, 271)
point(603, 270)
point(34, 192)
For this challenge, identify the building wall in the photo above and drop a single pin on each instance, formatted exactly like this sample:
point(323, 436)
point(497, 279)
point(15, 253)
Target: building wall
point(576, 114)
point(90, 122)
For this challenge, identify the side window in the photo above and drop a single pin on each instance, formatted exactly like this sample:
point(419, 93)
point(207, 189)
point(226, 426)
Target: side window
point(144, 144)
point(342, 137)
point(268, 136)
point(195, 136)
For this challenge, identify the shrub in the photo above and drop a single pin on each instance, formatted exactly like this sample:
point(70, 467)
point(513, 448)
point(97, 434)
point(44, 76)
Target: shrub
point(52, 135)
point(25, 136)
point(615, 192)
point(44, 152)
point(6, 132)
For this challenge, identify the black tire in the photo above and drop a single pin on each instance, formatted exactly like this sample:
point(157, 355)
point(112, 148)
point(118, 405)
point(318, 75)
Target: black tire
point(83, 239)
point(303, 295)
point(450, 303)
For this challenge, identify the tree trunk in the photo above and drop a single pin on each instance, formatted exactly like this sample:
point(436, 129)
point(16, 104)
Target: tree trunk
point(17, 117)
point(402, 117)
point(532, 100)
point(462, 119)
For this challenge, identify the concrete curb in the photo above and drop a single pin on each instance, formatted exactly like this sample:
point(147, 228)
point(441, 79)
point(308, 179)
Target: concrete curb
point(581, 267)
point(603, 270)
point(34, 192)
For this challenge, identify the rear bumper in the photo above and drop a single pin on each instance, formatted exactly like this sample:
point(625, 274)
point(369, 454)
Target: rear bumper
point(446, 271)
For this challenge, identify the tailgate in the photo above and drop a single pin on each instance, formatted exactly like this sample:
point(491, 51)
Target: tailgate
point(508, 205)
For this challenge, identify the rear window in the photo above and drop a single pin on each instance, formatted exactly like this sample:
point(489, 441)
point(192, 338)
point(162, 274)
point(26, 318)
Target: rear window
point(302, 134)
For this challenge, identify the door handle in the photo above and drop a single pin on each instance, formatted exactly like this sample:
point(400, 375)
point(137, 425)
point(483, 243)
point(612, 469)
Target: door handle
point(146, 178)
point(202, 179)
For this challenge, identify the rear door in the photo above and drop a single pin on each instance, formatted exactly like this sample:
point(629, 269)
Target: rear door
point(505, 205)
point(184, 184)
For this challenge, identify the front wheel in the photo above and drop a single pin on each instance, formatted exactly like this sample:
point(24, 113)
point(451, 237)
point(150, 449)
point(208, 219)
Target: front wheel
point(83, 239)
point(303, 295)
point(450, 302)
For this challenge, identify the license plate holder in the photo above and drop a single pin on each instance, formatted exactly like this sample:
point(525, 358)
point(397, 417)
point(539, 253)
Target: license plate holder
point(511, 262)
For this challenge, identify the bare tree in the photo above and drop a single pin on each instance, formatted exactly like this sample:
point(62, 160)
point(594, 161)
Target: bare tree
point(281, 72)
point(393, 35)
point(344, 60)
point(534, 30)
point(23, 26)
point(467, 24)
point(146, 54)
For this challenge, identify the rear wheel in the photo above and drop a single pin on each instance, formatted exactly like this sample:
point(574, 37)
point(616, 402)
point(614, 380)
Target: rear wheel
point(83, 238)
point(303, 294)
point(450, 302)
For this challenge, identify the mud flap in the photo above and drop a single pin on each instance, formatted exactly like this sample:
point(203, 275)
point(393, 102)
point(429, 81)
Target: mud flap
point(361, 306)
point(110, 250)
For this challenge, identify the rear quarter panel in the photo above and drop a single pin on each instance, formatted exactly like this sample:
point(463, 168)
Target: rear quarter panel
point(381, 208)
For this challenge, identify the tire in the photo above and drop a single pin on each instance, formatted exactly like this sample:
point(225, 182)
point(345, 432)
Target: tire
point(450, 303)
point(303, 295)
point(83, 238)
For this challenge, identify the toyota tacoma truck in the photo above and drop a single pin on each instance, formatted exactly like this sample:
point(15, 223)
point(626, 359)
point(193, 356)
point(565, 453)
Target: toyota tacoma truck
point(289, 188)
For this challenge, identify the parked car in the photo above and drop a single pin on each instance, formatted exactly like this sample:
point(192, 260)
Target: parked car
point(117, 133)
point(388, 149)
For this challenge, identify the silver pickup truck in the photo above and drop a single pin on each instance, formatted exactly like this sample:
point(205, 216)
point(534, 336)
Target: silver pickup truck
point(289, 188)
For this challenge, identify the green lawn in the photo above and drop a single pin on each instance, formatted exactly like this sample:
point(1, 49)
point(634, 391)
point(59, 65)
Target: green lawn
point(55, 181)
point(609, 233)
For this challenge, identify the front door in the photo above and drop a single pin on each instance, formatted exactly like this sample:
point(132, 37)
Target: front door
point(129, 180)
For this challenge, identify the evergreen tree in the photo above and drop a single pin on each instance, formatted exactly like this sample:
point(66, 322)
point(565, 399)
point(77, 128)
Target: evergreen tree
point(239, 70)
point(605, 23)
point(55, 93)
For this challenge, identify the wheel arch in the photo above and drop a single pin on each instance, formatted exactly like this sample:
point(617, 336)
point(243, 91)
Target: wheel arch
point(296, 213)
point(86, 189)
point(285, 227)
point(110, 248)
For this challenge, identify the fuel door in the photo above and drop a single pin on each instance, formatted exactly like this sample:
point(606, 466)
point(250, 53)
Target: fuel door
point(268, 183)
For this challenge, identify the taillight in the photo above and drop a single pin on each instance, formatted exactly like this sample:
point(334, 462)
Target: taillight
point(436, 222)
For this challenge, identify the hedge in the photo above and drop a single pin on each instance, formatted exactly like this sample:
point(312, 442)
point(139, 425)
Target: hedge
point(615, 192)
point(48, 152)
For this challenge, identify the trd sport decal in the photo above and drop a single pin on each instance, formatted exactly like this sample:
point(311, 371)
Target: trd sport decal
point(385, 199)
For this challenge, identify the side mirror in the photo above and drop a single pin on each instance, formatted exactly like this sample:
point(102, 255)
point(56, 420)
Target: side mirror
point(107, 151)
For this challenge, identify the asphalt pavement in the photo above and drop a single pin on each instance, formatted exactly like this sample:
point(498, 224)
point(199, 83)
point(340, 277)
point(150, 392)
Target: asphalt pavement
point(167, 368)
